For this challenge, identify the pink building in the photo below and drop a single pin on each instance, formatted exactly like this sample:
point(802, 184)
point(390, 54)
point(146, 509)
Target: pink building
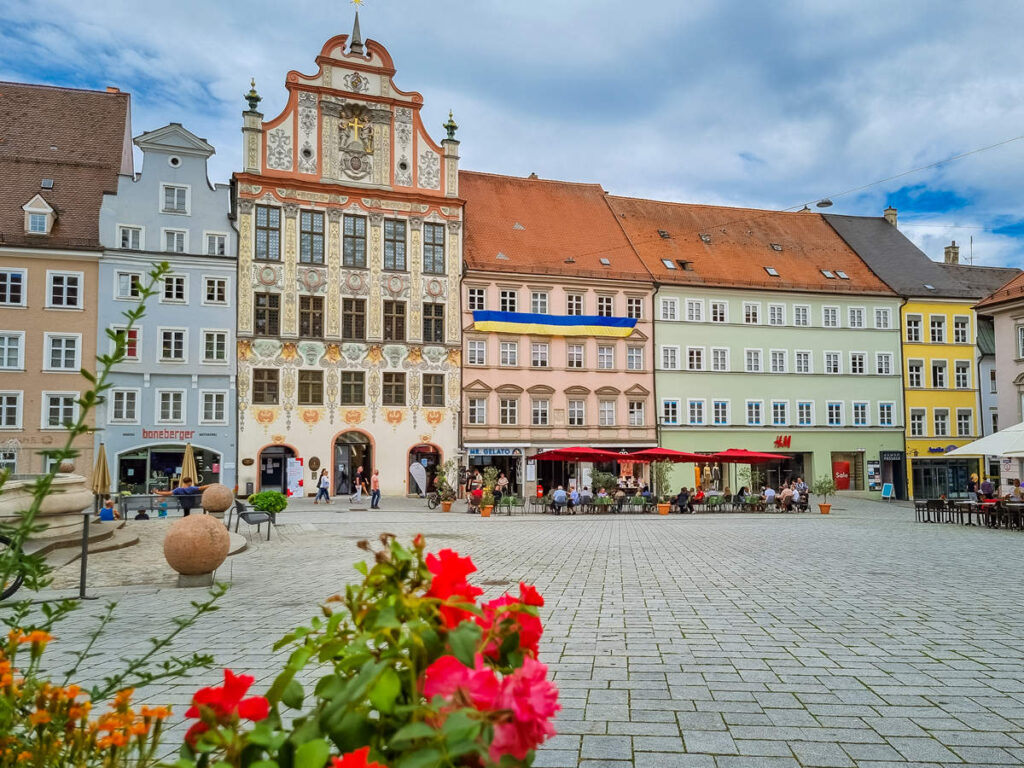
point(552, 249)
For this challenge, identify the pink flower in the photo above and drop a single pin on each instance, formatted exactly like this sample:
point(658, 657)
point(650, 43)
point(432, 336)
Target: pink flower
point(532, 700)
point(527, 626)
point(449, 583)
point(451, 679)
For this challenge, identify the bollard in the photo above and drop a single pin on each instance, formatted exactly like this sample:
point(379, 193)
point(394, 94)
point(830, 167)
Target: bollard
point(85, 557)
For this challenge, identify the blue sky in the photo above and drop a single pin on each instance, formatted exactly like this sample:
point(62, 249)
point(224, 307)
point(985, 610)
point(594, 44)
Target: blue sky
point(735, 102)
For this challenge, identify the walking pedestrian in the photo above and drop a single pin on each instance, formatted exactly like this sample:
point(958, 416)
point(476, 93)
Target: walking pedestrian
point(323, 485)
point(375, 490)
point(357, 487)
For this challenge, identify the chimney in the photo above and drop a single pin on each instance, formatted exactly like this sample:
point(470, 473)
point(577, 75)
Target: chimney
point(890, 215)
point(112, 89)
point(952, 253)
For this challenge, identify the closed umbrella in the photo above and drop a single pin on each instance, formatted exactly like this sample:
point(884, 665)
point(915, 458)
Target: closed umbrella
point(1005, 442)
point(188, 465)
point(100, 476)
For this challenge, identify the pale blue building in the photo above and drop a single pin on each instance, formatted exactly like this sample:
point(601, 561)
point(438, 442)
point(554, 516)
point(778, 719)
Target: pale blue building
point(178, 385)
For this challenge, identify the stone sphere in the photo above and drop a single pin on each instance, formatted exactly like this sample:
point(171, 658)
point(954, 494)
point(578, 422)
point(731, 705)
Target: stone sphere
point(66, 467)
point(217, 498)
point(196, 544)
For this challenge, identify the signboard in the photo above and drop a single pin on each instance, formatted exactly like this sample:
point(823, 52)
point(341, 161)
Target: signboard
point(891, 455)
point(874, 475)
point(783, 441)
point(841, 475)
point(294, 476)
point(168, 434)
point(531, 471)
point(888, 492)
point(493, 451)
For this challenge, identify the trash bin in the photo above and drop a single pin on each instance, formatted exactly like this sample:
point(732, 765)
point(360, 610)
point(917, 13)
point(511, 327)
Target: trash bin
point(249, 489)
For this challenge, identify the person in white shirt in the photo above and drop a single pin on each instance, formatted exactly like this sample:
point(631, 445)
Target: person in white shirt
point(769, 496)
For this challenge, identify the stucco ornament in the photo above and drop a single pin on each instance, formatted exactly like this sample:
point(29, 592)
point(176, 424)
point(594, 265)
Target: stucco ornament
point(355, 143)
point(196, 545)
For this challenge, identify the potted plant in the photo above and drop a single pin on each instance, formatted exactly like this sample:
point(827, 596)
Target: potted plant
point(445, 489)
point(659, 476)
point(487, 500)
point(270, 502)
point(824, 486)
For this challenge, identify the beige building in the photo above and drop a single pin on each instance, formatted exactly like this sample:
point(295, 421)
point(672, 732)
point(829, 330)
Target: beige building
point(61, 150)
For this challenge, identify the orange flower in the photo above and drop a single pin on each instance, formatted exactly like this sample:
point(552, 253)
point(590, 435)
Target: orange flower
point(72, 691)
point(123, 697)
point(139, 729)
point(157, 713)
point(36, 636)
point(39, 717)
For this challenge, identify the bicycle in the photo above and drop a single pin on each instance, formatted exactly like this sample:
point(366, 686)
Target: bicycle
point(13, 584)
point(433, 499)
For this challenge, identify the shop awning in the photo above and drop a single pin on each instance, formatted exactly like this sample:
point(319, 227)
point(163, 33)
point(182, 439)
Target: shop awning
point(741, 456)
point(580, 453)
point(1005, 442)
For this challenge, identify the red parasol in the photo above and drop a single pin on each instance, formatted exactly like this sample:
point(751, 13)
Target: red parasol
point(666, 454)
point(579, 453)
point(741, 456)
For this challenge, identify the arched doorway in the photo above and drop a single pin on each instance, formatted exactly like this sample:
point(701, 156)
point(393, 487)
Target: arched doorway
point(429, 457)
point(351, 451)
point(274, 467)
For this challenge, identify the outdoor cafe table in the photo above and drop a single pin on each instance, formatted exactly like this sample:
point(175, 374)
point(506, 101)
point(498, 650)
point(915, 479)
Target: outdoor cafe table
point(968, 508)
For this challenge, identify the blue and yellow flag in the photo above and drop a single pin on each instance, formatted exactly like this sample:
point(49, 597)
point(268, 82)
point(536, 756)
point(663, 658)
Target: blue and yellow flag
point(552, 325)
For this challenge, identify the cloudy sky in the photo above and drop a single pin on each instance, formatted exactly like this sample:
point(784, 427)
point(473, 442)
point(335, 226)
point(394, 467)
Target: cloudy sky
point(737, 102)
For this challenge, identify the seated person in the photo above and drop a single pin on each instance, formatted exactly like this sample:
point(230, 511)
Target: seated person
point(786, 496)
point(620, 498)
point(586, 497)
point(697, 497)
point(108, 513)
point(741, 495)
point(797, 499)
point(682, 500)
point(988, 491)
point(558, 500)
point(602, 493)
point(1017, 492)
point(141, 514)
point(645, 492)
point(769, 496)
point(187, 490)
point(574, 498)
point(475, 497)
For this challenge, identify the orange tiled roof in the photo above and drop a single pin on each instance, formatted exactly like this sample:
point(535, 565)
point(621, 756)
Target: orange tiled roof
point(733, 246)
point(1013, 289)
point(534, 226)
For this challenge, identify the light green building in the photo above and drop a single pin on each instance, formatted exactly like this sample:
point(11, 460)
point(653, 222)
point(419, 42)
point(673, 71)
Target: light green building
point(771, 335)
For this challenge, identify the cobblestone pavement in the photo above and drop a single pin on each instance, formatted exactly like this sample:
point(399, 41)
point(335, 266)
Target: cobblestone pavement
point(728, 641)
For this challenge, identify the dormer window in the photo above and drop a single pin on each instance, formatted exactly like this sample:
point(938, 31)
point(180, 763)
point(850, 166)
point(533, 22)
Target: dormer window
point(39, 216)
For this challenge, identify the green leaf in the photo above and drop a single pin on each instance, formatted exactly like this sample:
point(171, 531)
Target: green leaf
point(464, 640)
point(413, 731)
point(421, 758)
point(312, 754)
point(293, 695)
point(384, 692)
point(459, 726)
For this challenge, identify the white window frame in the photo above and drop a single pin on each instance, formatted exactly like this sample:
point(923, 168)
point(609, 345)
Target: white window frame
point(891, 405)
point(476, 345)
point(540, 354)
point(842, 413)
point(20, 364)
point(922, 373)
point(796, 361)
point(48, 338)
point(785, 413)
point(569, 362)
point(119, 229)
point(52, 273)
point(513, 356)
point(611, 365)
point(863, 317)
point(601, 408)
point(694, 307)
point(824, 316)
point(633, 351)
point(508, 296)
point(227, 291)
point(635, 301)
point(728, 413)
point(806, 310)
point(512, 410)
point(970, 422)
point(202, 406)
point(33, 218)
point(754, 305)
point(839, 361)
point(888, 359)
point(476, 406)
point(610, 301)
point(885, 312)
point(810, 411)
point(184, 288)
point(867, 413)
point(966, 364)
point(967, 318)
point(746, 360)
point(158, 394)
point(703, 404)
point(944, 365)
point(163, 239)
point(160, 346)
point(473, 293)
point(664, 418)
point(118, 273)
point(921, 421)
point(864, 362)
point(669, 306)
point(945, 329)
point(24, 287)
point(207, 234)
point(702, 361)
point(936, 413)
point(634, 407)
point(746, 412)
point(782, 314)
point(44, 398)
point(175, 212)
point(570, 412)
point(538, 298)
point(570, 300)
point(725, 350)
point(908, 324)
point(138, 343)
point(111, 418)
point(674, 349)
point(227, 347)
point(725, 311)
point(771, 360)
point(19, 409)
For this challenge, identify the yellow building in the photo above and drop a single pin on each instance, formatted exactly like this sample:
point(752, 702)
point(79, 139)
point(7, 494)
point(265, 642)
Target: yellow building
point(941, 358)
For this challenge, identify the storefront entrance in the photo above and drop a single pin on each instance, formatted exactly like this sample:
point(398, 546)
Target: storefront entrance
point(351, 451)
point(893, 470)
point(504, 459)
point(428, 458)
point(934, 478)
point(274, 468)
point(158, 467)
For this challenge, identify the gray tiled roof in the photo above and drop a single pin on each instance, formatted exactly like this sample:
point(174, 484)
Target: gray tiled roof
point(906, 269)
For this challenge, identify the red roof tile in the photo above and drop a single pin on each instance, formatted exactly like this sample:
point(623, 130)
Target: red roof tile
point(1013, 289)
point(80, 139)
point(533, 226)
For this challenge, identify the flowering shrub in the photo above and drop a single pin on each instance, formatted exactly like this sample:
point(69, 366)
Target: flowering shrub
point(414, 673)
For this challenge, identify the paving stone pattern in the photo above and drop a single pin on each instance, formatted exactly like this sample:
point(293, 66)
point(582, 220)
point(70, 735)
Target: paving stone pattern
point(719, 641)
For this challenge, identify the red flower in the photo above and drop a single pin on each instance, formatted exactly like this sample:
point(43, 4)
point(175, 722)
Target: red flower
point(528, 595)
point(449, 583)
point(355, 759)
point(419, 542)
point(450, 678)
point(527, 626)
point(225, 705)
point(533, 701)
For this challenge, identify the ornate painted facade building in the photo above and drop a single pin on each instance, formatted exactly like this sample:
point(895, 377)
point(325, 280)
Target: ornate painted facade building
point(350, 259)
